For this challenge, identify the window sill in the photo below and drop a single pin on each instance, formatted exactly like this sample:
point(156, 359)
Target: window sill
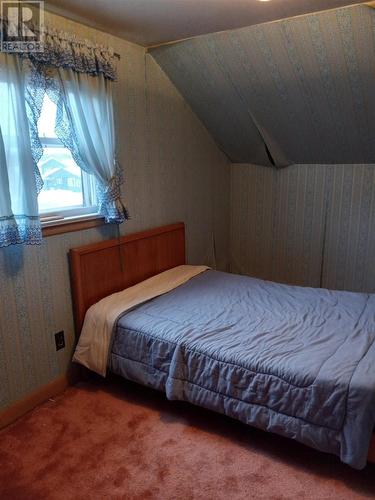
point(70, 224)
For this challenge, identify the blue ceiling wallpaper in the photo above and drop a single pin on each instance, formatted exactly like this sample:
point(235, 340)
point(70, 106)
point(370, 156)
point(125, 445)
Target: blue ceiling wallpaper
point(297, 91)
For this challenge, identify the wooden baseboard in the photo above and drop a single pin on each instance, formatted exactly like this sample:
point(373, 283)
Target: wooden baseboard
point(371, 451)
point(37, 397)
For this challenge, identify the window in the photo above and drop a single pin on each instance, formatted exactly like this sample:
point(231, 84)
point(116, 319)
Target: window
point(68, 191)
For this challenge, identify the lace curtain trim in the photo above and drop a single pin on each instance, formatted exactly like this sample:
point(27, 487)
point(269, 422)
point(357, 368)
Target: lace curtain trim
point(18, 229)
point(66, 50)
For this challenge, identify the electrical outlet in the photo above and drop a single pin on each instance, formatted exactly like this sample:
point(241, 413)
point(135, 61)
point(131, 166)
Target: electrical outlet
point(59, 340)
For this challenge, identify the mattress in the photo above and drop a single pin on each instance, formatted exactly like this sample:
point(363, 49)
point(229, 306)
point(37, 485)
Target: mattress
point(296, 361)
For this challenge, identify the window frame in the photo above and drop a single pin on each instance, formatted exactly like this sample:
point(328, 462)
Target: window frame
point(61, 215)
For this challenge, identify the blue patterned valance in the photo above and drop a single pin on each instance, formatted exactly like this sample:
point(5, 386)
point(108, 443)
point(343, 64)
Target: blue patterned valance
point(63, 50)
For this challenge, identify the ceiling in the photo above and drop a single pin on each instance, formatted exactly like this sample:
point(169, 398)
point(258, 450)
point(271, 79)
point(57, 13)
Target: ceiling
point(290, 92)
point(153, 22)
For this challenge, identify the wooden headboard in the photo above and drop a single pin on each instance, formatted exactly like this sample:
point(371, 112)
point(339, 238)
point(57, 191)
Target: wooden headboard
point(99, 269)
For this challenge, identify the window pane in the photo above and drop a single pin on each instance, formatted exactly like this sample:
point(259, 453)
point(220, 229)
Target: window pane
point(65, 185)
point(46, 123)
point(62, 180)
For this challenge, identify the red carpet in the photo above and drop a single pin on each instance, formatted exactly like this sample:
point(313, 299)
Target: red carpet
point(111, 441)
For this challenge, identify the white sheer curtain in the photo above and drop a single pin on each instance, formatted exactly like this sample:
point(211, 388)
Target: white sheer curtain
point(19, 219)
point(85, 124)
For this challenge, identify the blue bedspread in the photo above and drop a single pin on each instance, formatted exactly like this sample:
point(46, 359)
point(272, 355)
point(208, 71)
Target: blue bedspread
point(299, 362)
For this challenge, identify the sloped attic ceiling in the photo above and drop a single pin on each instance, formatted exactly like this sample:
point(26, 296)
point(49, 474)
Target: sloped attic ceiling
point(152, 22)
point(294, 91)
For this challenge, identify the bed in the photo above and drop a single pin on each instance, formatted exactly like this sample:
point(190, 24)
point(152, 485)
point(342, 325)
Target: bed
point(299, 362)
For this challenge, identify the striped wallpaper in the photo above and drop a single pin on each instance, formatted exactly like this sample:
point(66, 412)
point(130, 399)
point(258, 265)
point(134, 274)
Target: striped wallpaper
point(311, 225)
point(173, 171)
